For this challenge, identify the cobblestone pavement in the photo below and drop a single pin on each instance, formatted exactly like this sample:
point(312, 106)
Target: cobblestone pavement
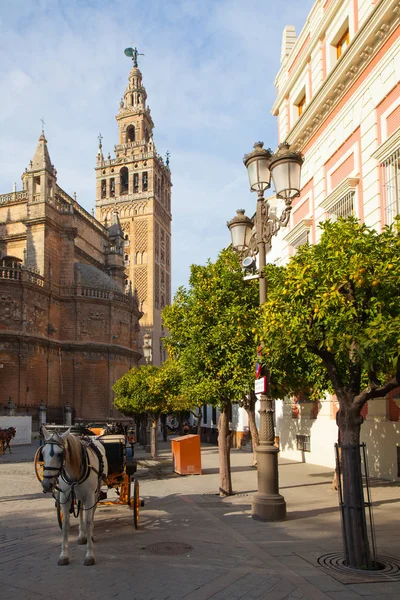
point(226, 554)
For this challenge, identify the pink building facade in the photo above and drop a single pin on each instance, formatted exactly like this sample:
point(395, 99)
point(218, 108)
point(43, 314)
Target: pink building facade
point(338, 101)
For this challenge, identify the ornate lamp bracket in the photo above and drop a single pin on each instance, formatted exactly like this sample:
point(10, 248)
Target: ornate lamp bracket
point(267, 224)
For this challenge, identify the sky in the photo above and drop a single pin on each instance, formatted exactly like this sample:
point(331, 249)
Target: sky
point(209, 68)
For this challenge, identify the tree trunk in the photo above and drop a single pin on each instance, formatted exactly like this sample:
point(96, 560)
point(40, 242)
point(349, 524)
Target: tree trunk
point(335, 482)
point(164, 427)
point(180, 423)
point(143, 431)
point(154, 441)
point(199, 418)
point(251, 415)
point(355, 532)
point(224, 448)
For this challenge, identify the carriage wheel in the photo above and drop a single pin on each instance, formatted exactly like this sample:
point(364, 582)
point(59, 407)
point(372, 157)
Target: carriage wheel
point(136, 503)
point(39, 464)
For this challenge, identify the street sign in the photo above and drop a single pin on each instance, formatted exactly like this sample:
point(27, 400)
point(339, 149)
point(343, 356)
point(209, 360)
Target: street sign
point(260, 385)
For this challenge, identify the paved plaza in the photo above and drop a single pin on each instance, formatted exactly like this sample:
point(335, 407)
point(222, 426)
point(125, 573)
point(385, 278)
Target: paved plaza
point(191, 544)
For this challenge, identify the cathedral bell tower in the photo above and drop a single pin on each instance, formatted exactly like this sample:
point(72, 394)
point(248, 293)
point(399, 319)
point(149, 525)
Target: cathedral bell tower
point(137, 184)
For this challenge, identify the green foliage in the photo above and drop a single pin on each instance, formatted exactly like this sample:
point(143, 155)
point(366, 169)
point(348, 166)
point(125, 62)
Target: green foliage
point(150, 389)
point(211, 328)
point(333, 313)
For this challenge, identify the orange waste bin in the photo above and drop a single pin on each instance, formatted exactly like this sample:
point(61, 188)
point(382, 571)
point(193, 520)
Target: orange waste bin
point(186, 455)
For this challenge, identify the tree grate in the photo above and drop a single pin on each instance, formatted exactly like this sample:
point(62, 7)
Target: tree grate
point(334, 563)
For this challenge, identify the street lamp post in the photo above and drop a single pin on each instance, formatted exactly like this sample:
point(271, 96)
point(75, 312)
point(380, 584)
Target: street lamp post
point(148, 357)
point(249, 238)
point(147, 348)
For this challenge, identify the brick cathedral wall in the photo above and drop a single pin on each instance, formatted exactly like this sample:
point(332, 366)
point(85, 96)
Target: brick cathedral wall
point(36, 376)
point(9, 374)
point(95, 389)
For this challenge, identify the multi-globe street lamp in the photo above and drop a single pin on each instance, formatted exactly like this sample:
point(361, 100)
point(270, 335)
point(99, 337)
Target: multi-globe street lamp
point(249, 238)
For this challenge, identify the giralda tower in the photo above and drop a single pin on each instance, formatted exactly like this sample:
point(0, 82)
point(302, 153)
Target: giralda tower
point(133, 192)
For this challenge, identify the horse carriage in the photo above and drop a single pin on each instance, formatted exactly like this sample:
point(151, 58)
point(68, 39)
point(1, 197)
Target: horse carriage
point(82, 471)
point(6, 435)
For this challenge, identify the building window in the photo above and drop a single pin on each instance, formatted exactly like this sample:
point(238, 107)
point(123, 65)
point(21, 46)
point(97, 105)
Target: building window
point(124, 184)
point(205, 416)
point(126, 240)
point(130, 134)
point(214, 416)
point(301, 240)
point(391, 168)
point(112, 187)
point(303, 443)
point(343, 207)
point(136, 183)
point(126, 258)
point(300, 105)
point(145, 181)
point(342, 43)
point(103, 188)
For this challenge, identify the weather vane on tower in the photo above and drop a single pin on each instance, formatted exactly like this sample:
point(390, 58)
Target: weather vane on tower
point(133, 54)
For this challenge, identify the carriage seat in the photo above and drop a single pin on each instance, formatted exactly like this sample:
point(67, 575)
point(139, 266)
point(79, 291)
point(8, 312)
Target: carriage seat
point(115, 448)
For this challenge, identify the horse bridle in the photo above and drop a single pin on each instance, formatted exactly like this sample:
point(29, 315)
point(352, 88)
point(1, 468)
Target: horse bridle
point(52, 443)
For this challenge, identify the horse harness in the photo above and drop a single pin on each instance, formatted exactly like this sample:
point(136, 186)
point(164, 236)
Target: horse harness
point(86, 443)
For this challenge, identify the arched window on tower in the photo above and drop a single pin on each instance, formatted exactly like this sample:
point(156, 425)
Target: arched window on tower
point(145, 181)
point(112, 187)
point(103, 188)
point(130, 134)
point(124, 183)
point(135, 183)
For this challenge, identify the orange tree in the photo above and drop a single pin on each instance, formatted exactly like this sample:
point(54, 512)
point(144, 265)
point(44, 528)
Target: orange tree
point(210, 335)
point(151, 390)
point(332, 322)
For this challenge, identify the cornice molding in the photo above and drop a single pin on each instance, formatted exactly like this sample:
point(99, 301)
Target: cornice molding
point(348, 185)
point(298, 230)
point(328, 16)
point(388, 147)
point(365, 45)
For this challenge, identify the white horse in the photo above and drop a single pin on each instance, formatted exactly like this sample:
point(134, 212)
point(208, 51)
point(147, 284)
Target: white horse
point(74, 468)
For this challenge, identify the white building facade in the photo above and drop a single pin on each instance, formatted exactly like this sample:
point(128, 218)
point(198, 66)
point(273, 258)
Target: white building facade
point(338, 102)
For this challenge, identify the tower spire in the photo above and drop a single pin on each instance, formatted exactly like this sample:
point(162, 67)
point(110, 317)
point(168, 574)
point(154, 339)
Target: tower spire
point(100, 156)
point(41, 159)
